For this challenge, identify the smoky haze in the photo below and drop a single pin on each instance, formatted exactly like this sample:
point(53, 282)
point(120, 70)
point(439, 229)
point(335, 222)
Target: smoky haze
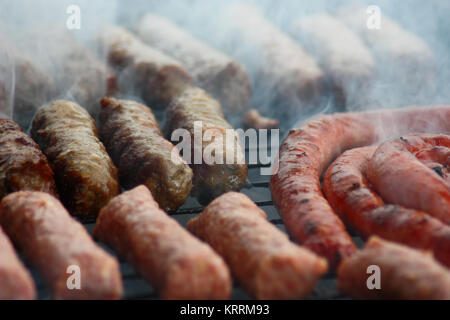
point(210, 21)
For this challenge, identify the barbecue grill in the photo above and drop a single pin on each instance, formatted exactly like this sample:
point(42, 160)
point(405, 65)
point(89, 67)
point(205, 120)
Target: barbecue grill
point(257, 185)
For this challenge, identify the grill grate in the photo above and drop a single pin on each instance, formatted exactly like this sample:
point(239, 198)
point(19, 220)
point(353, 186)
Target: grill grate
point(257, 188)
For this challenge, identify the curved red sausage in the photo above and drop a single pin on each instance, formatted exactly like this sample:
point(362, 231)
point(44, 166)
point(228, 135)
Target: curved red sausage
point(308, 150)
point(349, 193)
point(401, 178)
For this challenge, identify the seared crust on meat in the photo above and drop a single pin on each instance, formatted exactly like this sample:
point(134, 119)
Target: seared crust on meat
point(52, 241)
point(15, 281)
point(211, 179)
point(405, 273)
point(168, 256)
point(260, 256)
point(135, 142)
point(85, 174)
point(23, 166)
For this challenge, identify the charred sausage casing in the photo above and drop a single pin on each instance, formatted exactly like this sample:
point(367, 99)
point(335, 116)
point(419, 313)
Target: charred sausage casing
point(15, 281)
point(134, 140)
point(404, 273)
point(57, 245)
point(217, 172)
point(212, 70)
point(175, 262)
point(23, 166)
point(155, 76)
point(260, 256)
point(85, 174)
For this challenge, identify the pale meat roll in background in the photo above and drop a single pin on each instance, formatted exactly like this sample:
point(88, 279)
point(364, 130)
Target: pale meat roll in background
point(405, 64)
point(261, 257)
point(214, 71)
point(145, 71)
point(405, 273)
point(345, 60)
point(283, 73)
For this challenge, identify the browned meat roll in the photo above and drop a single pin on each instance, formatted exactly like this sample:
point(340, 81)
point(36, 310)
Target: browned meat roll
point(404, 273)
point(134, 140)
point(260, 256)
point(86, 177)
point(222, 165)
point(23, 166)
point(214, 71)
point(169, 257)
point(143, 70)
point(15, 281)
point(57, 245)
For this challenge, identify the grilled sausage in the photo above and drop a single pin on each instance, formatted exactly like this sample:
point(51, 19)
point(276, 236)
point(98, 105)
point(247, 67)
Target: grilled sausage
point(398, 54)
point(76, 71)
point(151, 74)
point(308, 150)
point(223, 171)
point(348, 191)
point(283, 73)
point(85, 175)
point(134, 140)
point(402, 179)
point(22, 81)
point(405, 273)
point(345, 60)
point(15, 281)
point(23, 166)
point(171, 259)
point(214, 71)
point(260, 256)
point(53, 242)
